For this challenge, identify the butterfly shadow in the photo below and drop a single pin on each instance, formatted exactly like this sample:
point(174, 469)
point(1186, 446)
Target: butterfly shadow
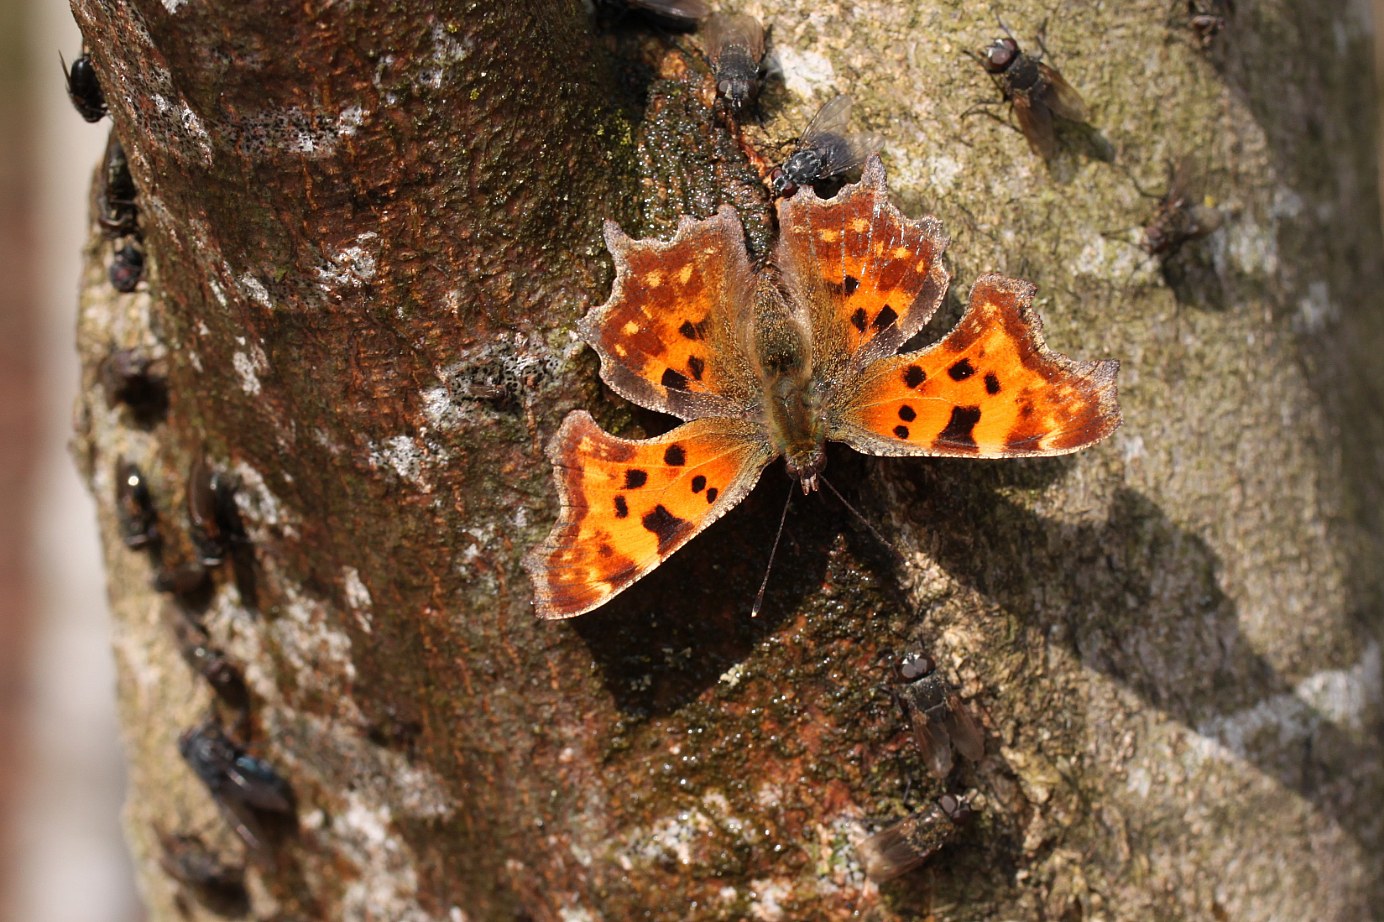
point(1138, 600)
point(675, 633)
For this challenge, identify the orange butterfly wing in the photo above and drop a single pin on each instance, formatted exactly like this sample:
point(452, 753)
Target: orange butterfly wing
point(990, 389)
point(669, 334)
point(870, 276)
point(628, 504)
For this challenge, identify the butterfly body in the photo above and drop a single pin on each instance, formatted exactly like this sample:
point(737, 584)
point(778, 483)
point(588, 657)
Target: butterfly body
point(775, 361)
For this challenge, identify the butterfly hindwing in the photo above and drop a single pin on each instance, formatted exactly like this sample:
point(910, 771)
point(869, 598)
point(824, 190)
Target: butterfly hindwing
point(628, 504)
point(989, 389)
point(870, 276)
point(667, 336)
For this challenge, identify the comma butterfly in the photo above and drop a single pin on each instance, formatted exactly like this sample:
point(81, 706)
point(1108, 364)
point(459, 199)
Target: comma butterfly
point(777, 360)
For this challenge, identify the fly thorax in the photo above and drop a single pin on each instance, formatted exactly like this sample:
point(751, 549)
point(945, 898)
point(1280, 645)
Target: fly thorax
point(792, 402)
point(803, 166)
point(1024, 74)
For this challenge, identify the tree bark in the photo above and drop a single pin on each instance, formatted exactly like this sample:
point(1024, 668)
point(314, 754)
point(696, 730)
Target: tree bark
point(371, 230)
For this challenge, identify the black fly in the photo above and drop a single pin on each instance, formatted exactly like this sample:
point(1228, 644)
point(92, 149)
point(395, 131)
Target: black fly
point(251, 795)
point(936, 714)
point(1036, 90)
point(83, 88)
point(735, 46)
point(825, 150)
point(903, 846)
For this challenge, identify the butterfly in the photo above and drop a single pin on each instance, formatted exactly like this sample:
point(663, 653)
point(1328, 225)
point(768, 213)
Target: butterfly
point(773, 361)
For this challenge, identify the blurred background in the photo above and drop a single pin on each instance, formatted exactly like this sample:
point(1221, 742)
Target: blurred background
point(61, 783)
point(61, 780)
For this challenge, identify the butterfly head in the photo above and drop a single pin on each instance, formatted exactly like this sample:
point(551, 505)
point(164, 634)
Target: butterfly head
point(806, 466)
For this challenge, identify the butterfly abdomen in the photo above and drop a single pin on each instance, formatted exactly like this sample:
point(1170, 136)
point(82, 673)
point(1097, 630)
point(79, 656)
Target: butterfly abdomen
point(782, 347)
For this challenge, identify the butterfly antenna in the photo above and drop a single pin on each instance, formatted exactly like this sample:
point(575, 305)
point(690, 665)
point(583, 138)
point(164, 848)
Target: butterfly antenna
point(759, 596)
point(898, 555)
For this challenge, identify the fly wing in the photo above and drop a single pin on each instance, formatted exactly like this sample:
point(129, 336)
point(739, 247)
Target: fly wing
point(932, 741)
point(964, 731)
point(1035, 121)
point(1061, 98)
point(687, 11)
point(724, 31)
point(831, 119)
point(257, 787)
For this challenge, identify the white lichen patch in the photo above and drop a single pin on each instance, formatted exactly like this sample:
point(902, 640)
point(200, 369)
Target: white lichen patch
point(358, 597)
point(807, 74)
point(1104, 258)
point(672, 837)
point(402, 455)
point(1316, 311)
point(174, 5)
point(388, 884)
point(767, 902)
point(248, 365)
point(314, 648)
point(254, 289)
point(293, 129)
point(1252, 247)
point(511, 369)
point(575, 914)
point(351, 266)
point(174, 113)
point(261, 510)
point(731, 677)
point(447, 51)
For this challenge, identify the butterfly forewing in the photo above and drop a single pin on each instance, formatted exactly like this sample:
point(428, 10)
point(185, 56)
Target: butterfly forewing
point(669, 335)
point(989, 389)
point(628, 504)
point(869, 276)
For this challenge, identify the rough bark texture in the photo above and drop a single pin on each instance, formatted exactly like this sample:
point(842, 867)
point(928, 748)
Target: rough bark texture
point(372, 227)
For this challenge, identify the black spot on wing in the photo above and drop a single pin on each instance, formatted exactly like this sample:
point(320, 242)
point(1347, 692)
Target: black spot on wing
point(711, 495)
point(961, 370)
point(960, 428)
point(665, 526)
point(885, 318)
point(992, 383)
point(696, 365)
point(907, 413)
point(622, 508)
point(635, 478)
point(674, 455)
point(849, 284)
point(901, 431)
point(858, 319)
point(673, 379)
point(691, 330)
point(913, 376)
point(698, 483)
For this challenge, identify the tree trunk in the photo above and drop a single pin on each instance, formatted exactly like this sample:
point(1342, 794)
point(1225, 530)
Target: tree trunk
point(371, 229)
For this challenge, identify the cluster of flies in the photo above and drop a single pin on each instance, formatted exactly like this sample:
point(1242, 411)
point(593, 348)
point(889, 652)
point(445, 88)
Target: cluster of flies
point(117, 200)
point(253, 798)
point(1037, 93)
point(940, 725)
